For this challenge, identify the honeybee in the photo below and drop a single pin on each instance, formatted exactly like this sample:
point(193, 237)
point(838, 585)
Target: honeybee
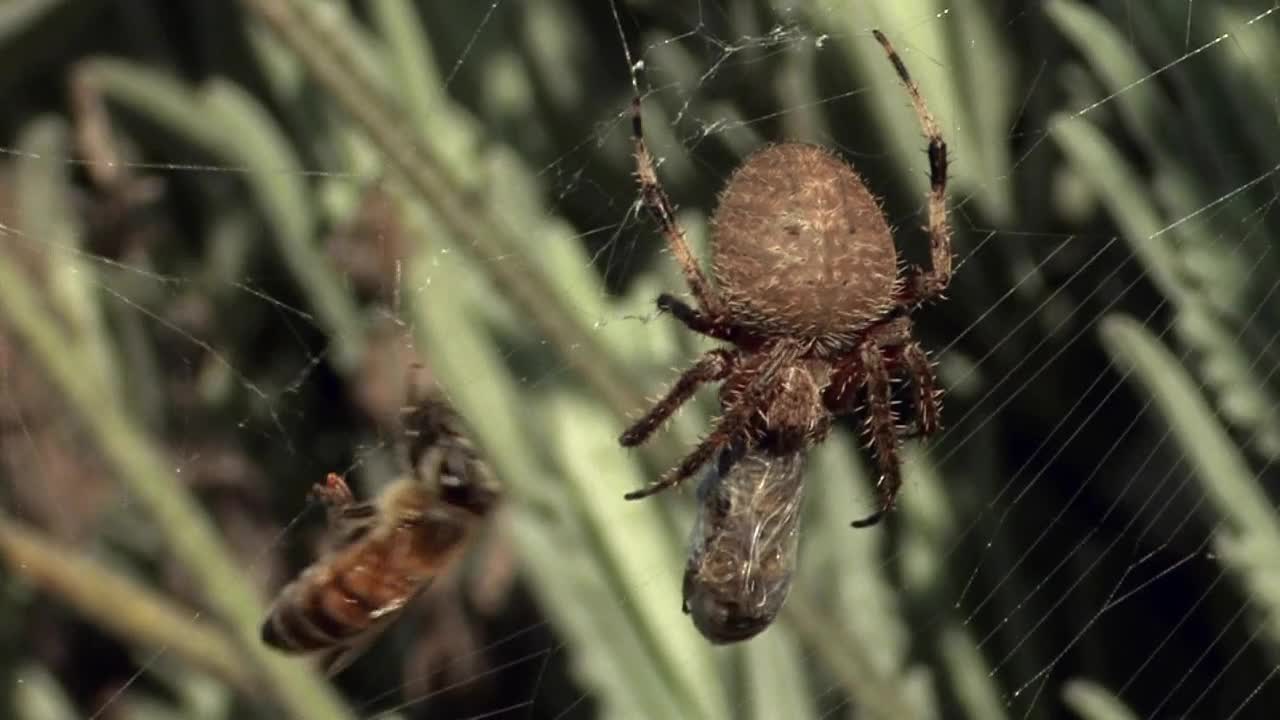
point(383, 554)
point(744, 544)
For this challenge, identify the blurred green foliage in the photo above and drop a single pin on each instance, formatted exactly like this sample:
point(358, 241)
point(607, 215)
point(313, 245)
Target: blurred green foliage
point(227, 227)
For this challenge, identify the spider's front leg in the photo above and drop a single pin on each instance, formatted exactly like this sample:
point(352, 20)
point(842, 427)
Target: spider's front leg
point(730, 426)
point(712, 366)
point(725, 431)
point(925, 284)
point(655, 198)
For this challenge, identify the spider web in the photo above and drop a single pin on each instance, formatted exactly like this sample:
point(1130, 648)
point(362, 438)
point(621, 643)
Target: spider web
point(1093, 529)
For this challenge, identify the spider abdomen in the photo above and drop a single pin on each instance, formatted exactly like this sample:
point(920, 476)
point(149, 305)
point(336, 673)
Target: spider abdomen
point(800, 246)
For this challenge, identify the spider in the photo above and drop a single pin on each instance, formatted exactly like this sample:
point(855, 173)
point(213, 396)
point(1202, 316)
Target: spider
point(810, 299)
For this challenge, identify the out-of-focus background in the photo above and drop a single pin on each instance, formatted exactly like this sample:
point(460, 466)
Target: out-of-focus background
point(226, 230)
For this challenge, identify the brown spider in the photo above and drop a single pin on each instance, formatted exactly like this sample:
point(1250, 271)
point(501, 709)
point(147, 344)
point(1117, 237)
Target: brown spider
point(809, 295)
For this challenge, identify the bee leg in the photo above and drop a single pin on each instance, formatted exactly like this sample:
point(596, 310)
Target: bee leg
point(333, 492)
point(339, 502)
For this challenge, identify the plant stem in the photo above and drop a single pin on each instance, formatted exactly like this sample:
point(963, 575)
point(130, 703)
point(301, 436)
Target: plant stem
point(135, 614)
point(325, 54)
point(881, 696)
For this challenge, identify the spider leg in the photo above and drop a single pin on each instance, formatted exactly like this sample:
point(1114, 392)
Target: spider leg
point(880, 428)
point(928, 407)
point(713, 365)
point(722, 434)
point(902, 352)
point(698, 321)
point(700, 456)
point(926, 284)
point(725, 430)
point(729, 426)
point(655, 198)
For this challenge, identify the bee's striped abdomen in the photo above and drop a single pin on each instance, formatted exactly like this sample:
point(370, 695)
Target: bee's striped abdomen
point(316, 611)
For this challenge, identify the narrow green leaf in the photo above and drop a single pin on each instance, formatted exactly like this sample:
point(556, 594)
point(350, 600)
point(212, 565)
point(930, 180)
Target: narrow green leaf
point(1093, 702)
point(970, 674)
point(51, 225)
point(574, 590)
point(1125, 197)
point(980, 62)
point(1116, 60)
point(146, 471)
point(230, 126)
point(776, 679)
point(1225, 475)
point(638, 547)
point(38, 696)
point(1249, 543)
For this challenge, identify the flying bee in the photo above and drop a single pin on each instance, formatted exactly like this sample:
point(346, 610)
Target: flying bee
point(383, 554)
point(744, 544)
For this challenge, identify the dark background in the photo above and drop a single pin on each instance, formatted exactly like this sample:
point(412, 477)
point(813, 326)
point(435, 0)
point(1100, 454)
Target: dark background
point(244, 277)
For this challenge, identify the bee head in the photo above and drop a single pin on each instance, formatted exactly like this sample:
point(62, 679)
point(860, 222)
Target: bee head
point(469, 484)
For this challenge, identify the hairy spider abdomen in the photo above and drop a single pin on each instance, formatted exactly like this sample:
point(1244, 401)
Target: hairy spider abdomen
point(800, 247)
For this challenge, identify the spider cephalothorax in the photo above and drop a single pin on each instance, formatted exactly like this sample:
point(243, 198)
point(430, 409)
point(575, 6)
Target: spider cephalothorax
point(809, 294)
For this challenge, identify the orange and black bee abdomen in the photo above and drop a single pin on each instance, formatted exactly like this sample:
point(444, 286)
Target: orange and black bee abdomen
point(317, 611)
point(337, 599)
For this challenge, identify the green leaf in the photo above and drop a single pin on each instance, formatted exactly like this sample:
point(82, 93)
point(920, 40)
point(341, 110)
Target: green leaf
point(51, 225)
point(1225, 475)
point(1249, 539)
point(236, 131)
point(38, 696)
point(1093, 702)
point(1116, 60)
point(1125, 197)
point(970, 674)
point(636, 545)
point(578, 597)
point(776, 679)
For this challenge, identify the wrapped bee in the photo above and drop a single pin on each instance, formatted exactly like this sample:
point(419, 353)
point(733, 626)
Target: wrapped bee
point(382, 554)
point(744, 543)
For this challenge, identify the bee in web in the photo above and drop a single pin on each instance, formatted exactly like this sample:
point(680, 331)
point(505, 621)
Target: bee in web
point(743, 549)
point(382, 554)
